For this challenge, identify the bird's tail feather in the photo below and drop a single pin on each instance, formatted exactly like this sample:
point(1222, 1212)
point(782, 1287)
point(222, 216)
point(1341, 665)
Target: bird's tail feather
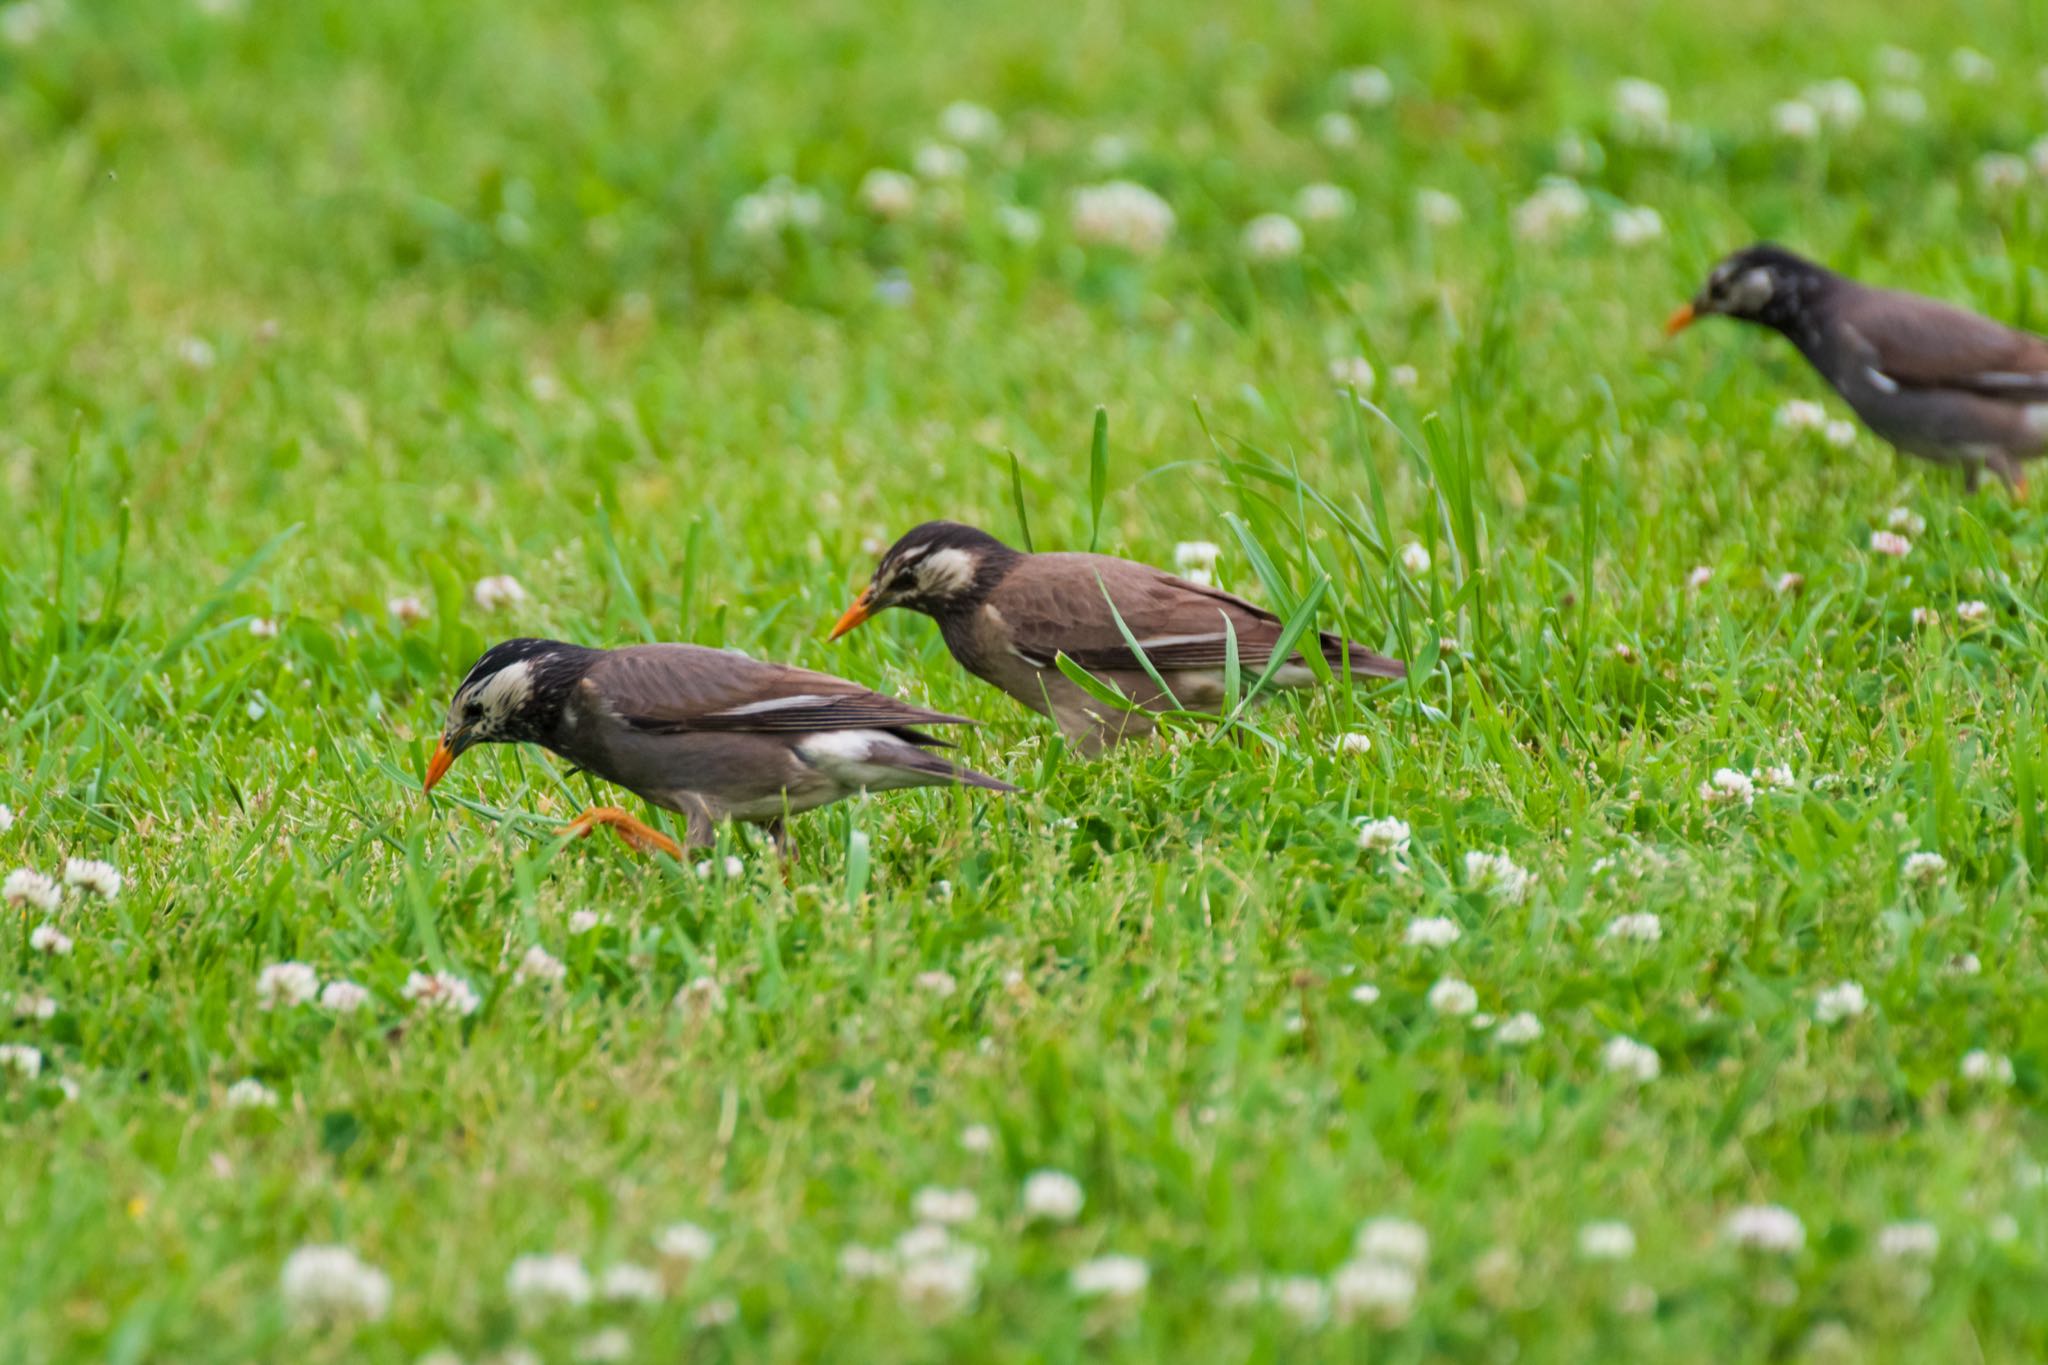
point(917, 760)
point(1363, 660)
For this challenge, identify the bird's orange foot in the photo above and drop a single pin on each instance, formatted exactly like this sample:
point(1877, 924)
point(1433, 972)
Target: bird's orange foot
point(634, 834)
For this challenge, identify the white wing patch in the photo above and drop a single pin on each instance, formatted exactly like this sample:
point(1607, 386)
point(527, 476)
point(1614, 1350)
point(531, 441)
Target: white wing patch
point(2011, 379)
point(756, 708)
point(1168, 641)
point(1879, 380)
point(858, 758)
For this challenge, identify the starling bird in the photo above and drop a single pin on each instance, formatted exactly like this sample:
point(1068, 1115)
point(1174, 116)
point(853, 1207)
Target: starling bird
point(1006, 615)
point(1935, 381)
point(707, 733)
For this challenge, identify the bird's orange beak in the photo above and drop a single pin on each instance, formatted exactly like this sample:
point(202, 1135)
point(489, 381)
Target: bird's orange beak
point(1680, 319)
point(438, 765)
point(863, 607)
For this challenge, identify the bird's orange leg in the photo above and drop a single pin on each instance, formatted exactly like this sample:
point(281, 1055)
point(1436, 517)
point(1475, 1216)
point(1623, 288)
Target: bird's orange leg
point(640, 837)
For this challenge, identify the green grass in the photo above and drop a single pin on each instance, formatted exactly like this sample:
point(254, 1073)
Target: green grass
point(474, 306)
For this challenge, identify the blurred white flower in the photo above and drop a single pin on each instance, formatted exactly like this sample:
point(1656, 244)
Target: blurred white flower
point(1764, 1227)
point(1641, 927)
point(22, 1060)
point(343, 997)
point(936, 983)
point(1796, 120)
point(250, 1093)
point(939, 1285)
point(1353, 372)
point(887, 194)
point(1776, 776)
point(328, 1283)
point(939, 161)
point(1322, 203)
point(722, 1311)
point(1122, 213)
point(1437, 209)
point(857, 1262)
point(1556, 205)
point(605, 1346)
point(629, 1283)
point(1727, 786)
point(1890, 543)
point(1384, 835)
point(583, 921)
point(685, 1245)
point(1971, 66)
point(1898, 63)
point(1519, 1029)
point(1404, 376)
point(32, 1005)
point(1578, 154)
point(779, 206)
point(1973, 612)
point(1337, 131)
point(542, 1284)
point(1195, 554)
point(1902, 104)
point(1628, 1058)
point(933, 1204)
point(1843, 1000)
point(48, 938)
point(1365, 995)
point(263, 627)
point(539, 965)
point(1392, 1241)
point(195, 353)
point(1963, 964)
point(1839, 102)
point(1354, 743)
point(1991, 1068)
point(497, 592)
point(440, 992)
point(1272, 237)
point(1379, 1291)
point(970, 124)
point(1497, 877)
point(1019, 224)
point(1366, 86)
point(1636, 225)
point(1925, 868)
point(1052, 1196)
point(1453, 997)
point(1913, 1240)
point(978, 1138)
point(1112, 1277)
point(6, 819)
point(27, 887)
point(1923, 617)
point(732, 867)
point(1432, 931)
point(287, 984)
point(406, 611)
point(1642, 110)
point(23, 22)
point(1800, 414)
point(1999, 172)
point(1787, 583)
point(1415, 558)
point(90, 874)
point(1607, 1240)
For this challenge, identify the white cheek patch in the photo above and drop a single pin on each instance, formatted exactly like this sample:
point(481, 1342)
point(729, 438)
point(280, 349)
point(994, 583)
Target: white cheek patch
point(945, 572)
point(1754, 289)
point(506, 690)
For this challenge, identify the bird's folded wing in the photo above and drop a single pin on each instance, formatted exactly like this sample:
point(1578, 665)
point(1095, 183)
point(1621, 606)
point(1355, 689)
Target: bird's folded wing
point(1924, 344)
point(1178, 624)
point(665, 689)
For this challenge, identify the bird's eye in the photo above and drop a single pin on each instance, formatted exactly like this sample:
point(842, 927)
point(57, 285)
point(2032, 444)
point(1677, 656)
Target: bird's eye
point(474, 711)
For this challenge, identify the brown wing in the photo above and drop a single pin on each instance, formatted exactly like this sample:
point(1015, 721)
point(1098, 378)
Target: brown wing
point(1054, 604)
point(676, 688)
point(1923, 343)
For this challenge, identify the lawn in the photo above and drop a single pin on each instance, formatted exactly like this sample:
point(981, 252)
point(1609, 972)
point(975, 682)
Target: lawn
point(1693, 1010)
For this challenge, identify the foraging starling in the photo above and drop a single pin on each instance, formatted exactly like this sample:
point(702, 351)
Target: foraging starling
point(1935, 381)
point(1005, 615)
point(707, 733)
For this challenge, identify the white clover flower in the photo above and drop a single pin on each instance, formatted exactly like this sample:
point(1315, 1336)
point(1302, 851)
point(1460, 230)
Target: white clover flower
point(1437, 209)
point(286, 984)
point(1890, 543)
point(1273, 237)
point(1386, 835)
point(1925, 868)
point(857, 1262)
point(887, 194)
point(933, 1204)
point(978, 1138)
point(1453, 997)
point(777, 207)
point(1924, 617)
point(1366, 86)
point(1765, 1227)
point(1020, 225)
point(34, 1006)
point(926, 1239)
point(1322, 202)
point(49, 939)
point(540, 965)
point(970, 124)
point(22, 1060)
point(2000, 172)
point(583, 921)
point(1303, 1300)
point(542, 1284)
point(1052, 1196)
point(440, 992)
point(1990, 1068)
point(1786, 584)
point(1432, 931)
point(343, 997)
point(685, 1244)
point(1353, 372)
point(941, 1285)
point(1898, 63)
point(1776, 776)
point(1631, 1060)
point(1641, 927)
point(1843, 1000)
point(1519, 1030)
point(1379, 1291)
point(1123, 214)
point(1905, 519)
point(1839, 434)
point(250, 1093)
point(1607, 1240)
point(701, 998)
point(1963, 964)
point(1642, 110)
point(497, 592)
point(939, 161)
point(1117, 1277)
point(629, 1283)
point(938, 984)
point(1578, 154)
point(23, 22)
point(1365, 994)
point(406, 611)
point(732, 867)
point(90, 874)
point(195, 353)
point(328, 1283)
point(1795, 120)
point(1728, 786)
point(1839, 102)
point(723, 1311)
point(1404, 376)
point(1497, 877)
point(1902, 104)
point(263, 627)
point(1635, 225)
point(605, 1346)
point(1556, 205)
point(1800, 414)
point(1971, 66)
point(1353, 743)
point(1913, 1240)
point(1700, 576)
point(1415, 558)
point(1111, 150)
point(27, 887)
point(1195, 554)
point(1392, 1241)
point(6, 819)
point(1337, 131)
point(1973, 612)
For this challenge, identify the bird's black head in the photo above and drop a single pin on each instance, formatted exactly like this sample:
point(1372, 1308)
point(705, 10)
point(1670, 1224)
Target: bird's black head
point(513, 694)
point(935, 568)
point(1763, 284)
